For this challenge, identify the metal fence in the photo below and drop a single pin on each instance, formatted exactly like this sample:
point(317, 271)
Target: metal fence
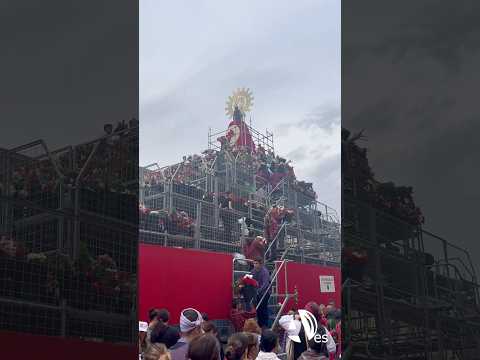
point(201, 202)
point(418, 293)
point(68, 231)
point(181, 214)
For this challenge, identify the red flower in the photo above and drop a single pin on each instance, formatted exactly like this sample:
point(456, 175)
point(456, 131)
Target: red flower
point(249, 281)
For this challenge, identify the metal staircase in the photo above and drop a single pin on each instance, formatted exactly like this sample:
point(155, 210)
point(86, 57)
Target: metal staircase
point(313, 235)
point(277, 301)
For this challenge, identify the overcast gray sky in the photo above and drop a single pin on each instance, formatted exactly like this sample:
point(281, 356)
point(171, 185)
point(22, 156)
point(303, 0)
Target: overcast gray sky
point(66, 69)
point(193, 54)
point(411, 80)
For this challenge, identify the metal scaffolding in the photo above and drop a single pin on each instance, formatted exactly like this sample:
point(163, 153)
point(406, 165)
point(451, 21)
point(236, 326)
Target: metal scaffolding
point(185, 205)
point(264, 140)
point(413, 295)
point(69, 238)
point(192, 192)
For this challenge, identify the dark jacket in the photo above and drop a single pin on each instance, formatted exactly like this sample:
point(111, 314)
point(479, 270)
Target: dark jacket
point(263, 278)
point(301, 347)
point(167, 335)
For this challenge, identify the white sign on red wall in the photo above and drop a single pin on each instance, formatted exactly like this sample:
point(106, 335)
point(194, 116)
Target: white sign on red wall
point(327, 284)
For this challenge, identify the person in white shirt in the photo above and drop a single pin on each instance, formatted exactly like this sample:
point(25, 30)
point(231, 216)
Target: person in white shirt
point(268, 346)
point(293, 327)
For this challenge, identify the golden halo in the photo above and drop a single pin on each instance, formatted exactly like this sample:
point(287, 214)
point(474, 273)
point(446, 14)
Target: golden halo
point(242, 98)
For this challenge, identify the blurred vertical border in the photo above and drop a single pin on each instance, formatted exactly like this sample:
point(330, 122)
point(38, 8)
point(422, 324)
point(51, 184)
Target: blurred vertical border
point(69, 179)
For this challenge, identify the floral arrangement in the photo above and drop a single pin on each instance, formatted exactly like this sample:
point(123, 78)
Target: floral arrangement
point(106, 278)
point(248, 280)
point(101, 272)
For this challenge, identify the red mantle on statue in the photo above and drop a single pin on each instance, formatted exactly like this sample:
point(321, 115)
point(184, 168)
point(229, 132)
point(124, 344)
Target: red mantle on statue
point(238, 135)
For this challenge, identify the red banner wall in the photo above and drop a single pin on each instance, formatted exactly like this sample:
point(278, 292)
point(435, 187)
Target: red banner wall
point(306, 278)
point(26, 346)
point(176, 279)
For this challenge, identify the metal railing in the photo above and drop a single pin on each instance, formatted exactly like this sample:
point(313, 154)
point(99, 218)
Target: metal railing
point(214, 223)
point(50, 230)
point(275, 239)
point(273, 283)
point(443, 290)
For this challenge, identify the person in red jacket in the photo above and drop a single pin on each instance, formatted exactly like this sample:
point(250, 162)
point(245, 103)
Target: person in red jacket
point(248, 288)
point(354, 262)
point(274, 218)
point(254, 248)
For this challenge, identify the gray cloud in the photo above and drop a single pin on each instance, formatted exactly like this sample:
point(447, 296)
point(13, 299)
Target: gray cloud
point(298, 154)
point(416, 31)
point(327, 166)
point(325, 117)
point(412, 86)
point(325, 174)
point(289, 57)
point(66, 69)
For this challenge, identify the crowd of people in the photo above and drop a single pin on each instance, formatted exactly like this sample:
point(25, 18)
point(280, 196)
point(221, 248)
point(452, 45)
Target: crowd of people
point(173, 223)
point(360, 180)
point(255, 238)
point(272, 238)
point(190, 167)
point(245, 197)
point(197, 338)
point(114, 165)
